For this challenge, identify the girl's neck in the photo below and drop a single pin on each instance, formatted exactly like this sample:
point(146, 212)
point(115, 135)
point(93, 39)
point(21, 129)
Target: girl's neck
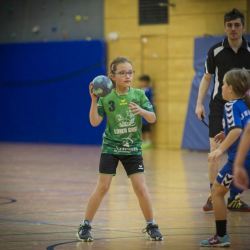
point(122, 91)
point(234, 97)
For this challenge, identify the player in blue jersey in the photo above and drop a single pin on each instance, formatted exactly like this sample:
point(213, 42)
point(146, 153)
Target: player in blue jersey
point(232, 52)
point(235, 90)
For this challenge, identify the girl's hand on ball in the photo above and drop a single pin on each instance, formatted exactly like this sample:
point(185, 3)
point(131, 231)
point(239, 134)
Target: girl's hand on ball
point(93, 96)
point(135, 108)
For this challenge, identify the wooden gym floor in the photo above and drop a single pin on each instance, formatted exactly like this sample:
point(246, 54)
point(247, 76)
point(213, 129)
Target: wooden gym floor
point(44, 190)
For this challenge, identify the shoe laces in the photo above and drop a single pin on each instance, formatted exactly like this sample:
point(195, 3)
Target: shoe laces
point(213, 240)
point(151, 228)
point(84, 228)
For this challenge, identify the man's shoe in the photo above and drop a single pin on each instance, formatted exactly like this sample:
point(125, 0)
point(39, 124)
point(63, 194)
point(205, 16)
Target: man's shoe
point(83, 232)
point(208, 207)
point(237, 205)
point(152, 230)
point(216, 241)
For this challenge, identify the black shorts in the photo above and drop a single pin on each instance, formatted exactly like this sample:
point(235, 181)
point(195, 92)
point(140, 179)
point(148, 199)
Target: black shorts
point(131, 163)
point(215, 117)
point(146, 127)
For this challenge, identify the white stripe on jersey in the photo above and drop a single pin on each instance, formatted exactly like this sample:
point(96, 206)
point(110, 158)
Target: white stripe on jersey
point(218, 50)
point(229, 114)
point(216, 83)
point(248, 48)
point(206, 70)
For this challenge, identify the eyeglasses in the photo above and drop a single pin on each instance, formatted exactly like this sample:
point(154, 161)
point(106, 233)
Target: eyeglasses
point(125, 73)
point(231, 25)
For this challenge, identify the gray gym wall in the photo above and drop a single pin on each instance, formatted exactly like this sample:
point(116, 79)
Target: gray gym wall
point(51, 20)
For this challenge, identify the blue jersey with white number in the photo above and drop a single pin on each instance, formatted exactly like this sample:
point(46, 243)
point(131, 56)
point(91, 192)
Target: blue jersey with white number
point(236, 115)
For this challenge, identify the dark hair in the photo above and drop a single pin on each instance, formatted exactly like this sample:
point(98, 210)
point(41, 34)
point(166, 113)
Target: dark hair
point(116, 61)
point(239, 79)
point(234, 14)
point(145, 78)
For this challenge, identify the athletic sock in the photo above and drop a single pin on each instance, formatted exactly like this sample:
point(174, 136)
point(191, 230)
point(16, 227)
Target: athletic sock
point(221, 227)
point(150, 221)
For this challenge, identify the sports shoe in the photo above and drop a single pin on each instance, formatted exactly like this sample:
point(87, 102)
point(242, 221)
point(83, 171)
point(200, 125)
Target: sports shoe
point(152, 230)
point(83, 233)
point(209, 205)
point(146, 145)
point(216, 241)
point(237, 205)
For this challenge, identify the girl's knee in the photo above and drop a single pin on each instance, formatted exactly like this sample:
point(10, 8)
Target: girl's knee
point(141, 191)
point(103, 188)
point(218, 190)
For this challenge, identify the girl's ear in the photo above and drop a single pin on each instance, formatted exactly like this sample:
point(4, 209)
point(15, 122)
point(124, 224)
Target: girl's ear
point(111, 76)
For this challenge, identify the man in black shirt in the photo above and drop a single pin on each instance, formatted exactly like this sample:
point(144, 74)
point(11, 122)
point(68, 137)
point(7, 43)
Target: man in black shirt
point(232, 52)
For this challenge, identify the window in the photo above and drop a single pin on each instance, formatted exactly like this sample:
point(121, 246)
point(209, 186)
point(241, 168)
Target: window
point(153, 12)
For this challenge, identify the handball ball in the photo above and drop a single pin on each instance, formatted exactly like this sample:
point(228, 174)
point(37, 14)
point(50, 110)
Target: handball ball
point(102, 86)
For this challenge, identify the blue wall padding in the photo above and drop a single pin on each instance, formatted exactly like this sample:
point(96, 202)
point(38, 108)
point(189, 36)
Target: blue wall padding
point(44, 94)
point(195, 135)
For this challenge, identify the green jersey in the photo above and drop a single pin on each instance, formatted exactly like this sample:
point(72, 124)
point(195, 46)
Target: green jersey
point(122, 135)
